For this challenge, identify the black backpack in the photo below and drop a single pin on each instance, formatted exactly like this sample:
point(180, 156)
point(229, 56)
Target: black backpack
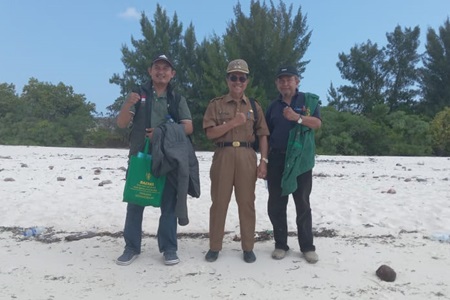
point(255, 114)
point(173, 100)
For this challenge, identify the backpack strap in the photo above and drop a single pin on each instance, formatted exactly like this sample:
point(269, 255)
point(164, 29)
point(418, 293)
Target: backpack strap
point(173, 101)
point(255, 113)
point(148, 105)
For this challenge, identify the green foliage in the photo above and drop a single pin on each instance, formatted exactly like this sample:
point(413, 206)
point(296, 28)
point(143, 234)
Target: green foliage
point(8, 99)
point(47, 133)
point(345, 133)
point(398, 133)
point(46, 115)
point(440, 133)
point(268, 37)
point(384, 89)
point(101, 137)
point(386, 75)
point(9, 108)
point(435, 76)
point(364, 68)
point(402, 75)
point(372, 115)
point(409, 134)
point(162, 37)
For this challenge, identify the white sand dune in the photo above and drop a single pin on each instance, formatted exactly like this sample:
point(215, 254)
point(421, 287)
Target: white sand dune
point(367, 211)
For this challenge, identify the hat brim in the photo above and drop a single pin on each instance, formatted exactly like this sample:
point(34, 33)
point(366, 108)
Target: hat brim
point(163, 59)
point(286, 74)
point(238, 70)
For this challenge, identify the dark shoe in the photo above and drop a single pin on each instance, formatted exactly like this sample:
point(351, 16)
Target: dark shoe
point(183, 221)
point(212, 256)
point(171, 258)
point(126, 258)
point(249, 256)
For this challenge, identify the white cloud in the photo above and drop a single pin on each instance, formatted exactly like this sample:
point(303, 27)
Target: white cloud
point(130, 13)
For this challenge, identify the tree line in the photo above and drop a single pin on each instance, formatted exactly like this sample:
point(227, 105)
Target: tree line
point(396, 102)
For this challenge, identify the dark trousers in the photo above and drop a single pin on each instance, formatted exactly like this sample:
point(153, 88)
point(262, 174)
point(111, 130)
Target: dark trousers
point(277, 205)
point(167, 229)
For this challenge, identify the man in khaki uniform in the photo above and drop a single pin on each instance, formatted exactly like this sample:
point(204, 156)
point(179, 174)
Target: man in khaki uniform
point(229, 121)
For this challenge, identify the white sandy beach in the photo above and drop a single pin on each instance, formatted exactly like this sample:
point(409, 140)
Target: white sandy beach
point(367, 211)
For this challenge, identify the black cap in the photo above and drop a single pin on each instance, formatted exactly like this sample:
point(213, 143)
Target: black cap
point(163, 57)
point(287, 71)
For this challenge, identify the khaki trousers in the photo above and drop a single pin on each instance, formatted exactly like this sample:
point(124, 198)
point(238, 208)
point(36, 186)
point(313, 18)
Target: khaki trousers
point(233, 167)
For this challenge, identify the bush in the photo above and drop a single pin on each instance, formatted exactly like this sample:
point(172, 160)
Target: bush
point(440, 133)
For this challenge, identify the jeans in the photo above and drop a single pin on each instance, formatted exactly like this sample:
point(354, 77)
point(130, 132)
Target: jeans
point(277, 205)
point(167, 229)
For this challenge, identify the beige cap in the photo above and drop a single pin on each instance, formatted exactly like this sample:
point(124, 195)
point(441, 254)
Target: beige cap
point(238, 65)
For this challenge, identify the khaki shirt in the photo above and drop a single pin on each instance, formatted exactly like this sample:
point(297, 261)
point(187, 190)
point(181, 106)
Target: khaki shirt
point(223, 109)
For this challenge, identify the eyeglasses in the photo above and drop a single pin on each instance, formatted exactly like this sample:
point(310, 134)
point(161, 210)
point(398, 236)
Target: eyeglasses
point(235, 78)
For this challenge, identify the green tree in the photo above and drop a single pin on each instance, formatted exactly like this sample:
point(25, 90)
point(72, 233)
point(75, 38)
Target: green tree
point(335, 99)
point(345, 133)
point(8, 98)
point(54, 115)
point(440, 133)
point(10, 106)
point(161, 35)
point(268, 37)
point(208, 81)
point(408, 134)
point(365, 68)
point(435, 76)
point(272, 36)
point(386, 75)
point(402, 75)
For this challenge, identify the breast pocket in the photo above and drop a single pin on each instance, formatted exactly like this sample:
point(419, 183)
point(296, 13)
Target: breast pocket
point(223, 117)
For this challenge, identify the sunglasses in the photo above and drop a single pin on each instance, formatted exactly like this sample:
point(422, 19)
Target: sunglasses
point(235, 78)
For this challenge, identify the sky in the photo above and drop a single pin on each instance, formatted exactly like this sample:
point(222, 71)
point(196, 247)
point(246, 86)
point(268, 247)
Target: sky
point(79, 42)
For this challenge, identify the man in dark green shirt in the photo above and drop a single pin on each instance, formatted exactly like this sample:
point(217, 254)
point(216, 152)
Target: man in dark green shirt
point(145, 109)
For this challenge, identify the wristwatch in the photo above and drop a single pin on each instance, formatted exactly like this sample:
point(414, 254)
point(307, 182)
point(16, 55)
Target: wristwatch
point(300, 120)
point(265, 160)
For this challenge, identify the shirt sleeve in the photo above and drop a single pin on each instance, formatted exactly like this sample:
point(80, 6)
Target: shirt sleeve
point(209, 118)
point(261, 125)
point(183, 110)
point(317, 112)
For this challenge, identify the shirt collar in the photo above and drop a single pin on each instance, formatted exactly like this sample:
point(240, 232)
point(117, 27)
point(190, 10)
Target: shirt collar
point(163, 95)
point(228, 98)
point(280, 97)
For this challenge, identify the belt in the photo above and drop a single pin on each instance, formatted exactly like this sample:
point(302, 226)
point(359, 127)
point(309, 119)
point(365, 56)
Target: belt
point(234, 144)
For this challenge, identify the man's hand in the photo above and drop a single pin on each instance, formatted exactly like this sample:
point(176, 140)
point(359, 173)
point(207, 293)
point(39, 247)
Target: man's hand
point(149, 132)
point(133, 98)
point(290, 114)
point(125, 116)
point(239, 119)
point(261, 171)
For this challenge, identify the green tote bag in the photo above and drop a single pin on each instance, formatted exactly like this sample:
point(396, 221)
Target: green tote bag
point(141, 187)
